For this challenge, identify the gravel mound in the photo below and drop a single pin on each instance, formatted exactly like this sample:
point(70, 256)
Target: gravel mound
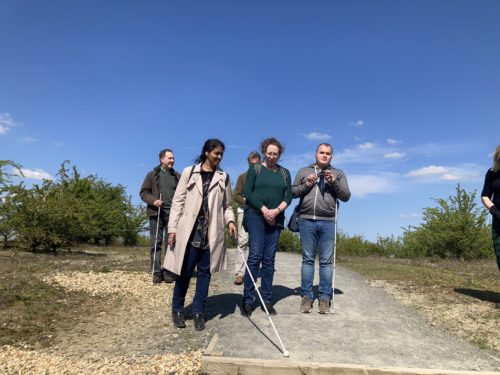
point(135, 337)
point(17, 361)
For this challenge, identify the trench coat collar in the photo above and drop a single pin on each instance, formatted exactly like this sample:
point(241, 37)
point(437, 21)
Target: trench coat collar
point(218, 176)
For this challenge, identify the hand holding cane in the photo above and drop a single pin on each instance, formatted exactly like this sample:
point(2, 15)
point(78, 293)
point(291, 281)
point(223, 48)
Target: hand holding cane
point(156, 243)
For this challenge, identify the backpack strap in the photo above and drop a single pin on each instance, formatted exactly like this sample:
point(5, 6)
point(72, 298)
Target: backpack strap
point(283, 173)
point(257, 168)
point(191, 173)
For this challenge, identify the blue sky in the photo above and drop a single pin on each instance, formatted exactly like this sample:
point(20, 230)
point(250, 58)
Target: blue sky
point(407, 92)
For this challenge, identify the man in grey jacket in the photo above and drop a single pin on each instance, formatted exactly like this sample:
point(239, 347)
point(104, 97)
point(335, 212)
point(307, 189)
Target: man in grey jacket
point(318, 186)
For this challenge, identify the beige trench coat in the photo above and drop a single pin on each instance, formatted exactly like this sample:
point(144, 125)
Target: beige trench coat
point(186, 205)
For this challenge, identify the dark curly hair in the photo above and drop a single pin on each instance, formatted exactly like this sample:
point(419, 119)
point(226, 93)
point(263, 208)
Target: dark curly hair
point(271, 141)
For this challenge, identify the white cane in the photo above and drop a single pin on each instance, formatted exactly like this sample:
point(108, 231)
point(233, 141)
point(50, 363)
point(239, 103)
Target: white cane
point(285, 352)
point(156, 241)
point(334, 256)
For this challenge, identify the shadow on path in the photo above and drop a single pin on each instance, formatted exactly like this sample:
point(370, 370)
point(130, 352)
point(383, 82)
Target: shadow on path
point(483, 295)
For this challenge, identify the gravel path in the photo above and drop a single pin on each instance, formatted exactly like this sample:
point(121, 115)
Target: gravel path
point(368, 328)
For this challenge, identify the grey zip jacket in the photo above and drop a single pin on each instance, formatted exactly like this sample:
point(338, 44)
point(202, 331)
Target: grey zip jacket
point(318, 205)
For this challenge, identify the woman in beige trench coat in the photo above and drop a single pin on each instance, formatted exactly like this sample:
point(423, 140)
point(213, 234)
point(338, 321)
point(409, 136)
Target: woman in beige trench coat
point(201, 207)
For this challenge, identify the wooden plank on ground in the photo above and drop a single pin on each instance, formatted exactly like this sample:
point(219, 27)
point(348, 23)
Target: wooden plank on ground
point(248, 366)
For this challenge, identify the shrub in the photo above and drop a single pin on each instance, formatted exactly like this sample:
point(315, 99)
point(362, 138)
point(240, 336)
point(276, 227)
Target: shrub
point(289, 241)
point(391, 246)
point(455, 228)
point(355, 245)
point(68, 211)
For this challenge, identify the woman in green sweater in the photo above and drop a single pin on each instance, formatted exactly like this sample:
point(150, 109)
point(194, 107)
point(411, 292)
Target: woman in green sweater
point(268, 193)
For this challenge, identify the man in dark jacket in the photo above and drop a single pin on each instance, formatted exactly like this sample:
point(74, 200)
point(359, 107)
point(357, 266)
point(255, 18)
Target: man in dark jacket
point(159, 183)
point(239, 197)
point(318, 185)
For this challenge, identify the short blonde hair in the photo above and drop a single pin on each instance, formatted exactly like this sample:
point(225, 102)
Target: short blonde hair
point(496, 159)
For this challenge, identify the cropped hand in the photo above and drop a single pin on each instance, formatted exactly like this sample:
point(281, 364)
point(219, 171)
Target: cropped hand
point(233, 231)
point(329, 176)
point(311, 179)
point(171, 241)
point(271, 222)
point(495, 211)
point(158, 203)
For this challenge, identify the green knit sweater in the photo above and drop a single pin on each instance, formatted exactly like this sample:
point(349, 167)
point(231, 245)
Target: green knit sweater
point(268, 188)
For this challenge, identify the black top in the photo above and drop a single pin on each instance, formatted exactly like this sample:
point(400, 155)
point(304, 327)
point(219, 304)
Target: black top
point(491, 188)
point(199, 236)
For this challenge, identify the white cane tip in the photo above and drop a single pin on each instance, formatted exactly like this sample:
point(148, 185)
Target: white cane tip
point(286, 354)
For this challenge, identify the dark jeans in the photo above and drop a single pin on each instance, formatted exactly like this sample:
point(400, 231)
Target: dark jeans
point(153, 222)
point(199, 258)
point(262, 243)
point(495, 234)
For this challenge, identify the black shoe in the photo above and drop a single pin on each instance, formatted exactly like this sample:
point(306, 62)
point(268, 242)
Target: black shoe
point(199, 322)
point(169, 277)
point(178, 319)
point(246, 309)
point(157, 278)
point(270, 309)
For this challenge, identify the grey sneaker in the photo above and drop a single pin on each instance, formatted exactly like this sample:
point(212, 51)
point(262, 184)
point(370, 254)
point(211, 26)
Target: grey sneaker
point(324, 306)
point(306, 305)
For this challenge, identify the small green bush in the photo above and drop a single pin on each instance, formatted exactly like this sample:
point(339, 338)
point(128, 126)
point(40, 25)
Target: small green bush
point(455, 228)
point(289, 242)
point(355, 245)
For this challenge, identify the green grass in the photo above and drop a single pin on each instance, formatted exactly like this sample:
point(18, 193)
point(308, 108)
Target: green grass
point(33, 312)
point(426, 272)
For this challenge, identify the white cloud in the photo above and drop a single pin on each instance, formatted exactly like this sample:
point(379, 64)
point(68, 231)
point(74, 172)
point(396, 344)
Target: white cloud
point(35, 174)
point(58, 144)
point(393, 141)
point(366, 146)
point(433, 173)
point(6, 123)
point(315, 136)
point(365, 153)
point(394, 155)
point(411, 215)
point(357, 123)
point(362, 185)
point(29, 140)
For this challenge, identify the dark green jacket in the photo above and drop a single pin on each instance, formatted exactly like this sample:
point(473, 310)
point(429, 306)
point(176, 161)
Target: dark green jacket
point(150, 189)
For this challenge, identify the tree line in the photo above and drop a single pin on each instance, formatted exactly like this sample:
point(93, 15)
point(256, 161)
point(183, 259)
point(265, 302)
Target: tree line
point(67, 211)
point(73, 210)
point(455, 227)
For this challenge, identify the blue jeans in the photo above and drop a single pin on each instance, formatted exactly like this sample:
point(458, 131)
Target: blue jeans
point(193, 257)
point(262, 244)
point(317, 235)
